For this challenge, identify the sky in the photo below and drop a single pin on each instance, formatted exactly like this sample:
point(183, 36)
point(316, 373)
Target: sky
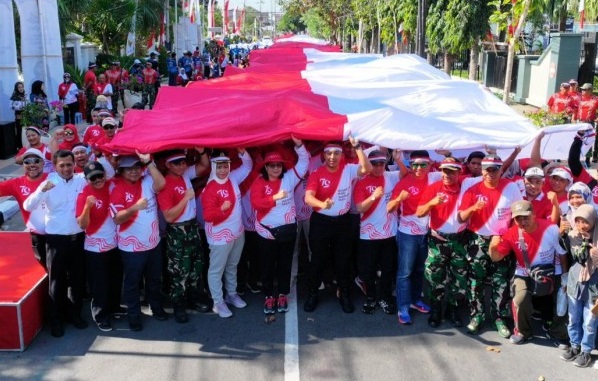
point(267, 5)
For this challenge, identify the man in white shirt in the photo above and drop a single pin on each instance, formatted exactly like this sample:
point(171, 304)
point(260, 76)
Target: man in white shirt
point(64, 241)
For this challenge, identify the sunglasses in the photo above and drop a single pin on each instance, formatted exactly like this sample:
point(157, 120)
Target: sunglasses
point(68, 133)
point(98, 176)
point(274, 165)
point(378, 164)
point(32, 160)
point(419, 165)
point(178, 161)
point(108, 127)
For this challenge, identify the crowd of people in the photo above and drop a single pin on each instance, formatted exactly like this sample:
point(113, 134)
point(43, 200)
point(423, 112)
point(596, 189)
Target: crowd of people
point(205, 225)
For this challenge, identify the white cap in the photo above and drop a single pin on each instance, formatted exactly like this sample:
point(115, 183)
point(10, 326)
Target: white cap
point(534, 172)
point(35, 152)
point(563, 173)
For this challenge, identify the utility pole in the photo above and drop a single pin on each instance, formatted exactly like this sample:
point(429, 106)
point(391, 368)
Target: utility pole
point(420, 42)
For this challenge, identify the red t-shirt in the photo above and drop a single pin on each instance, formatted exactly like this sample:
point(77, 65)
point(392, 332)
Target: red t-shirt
point(100, 235)
point(20, 188)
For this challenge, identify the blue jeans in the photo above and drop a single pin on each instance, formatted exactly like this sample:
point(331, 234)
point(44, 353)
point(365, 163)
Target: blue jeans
point(413, 250)
point(582, 324)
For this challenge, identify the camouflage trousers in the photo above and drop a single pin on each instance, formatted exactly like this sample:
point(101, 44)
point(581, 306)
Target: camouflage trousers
point(446, 267)
point(148, 95)
point(185, 259)
point(482, 271)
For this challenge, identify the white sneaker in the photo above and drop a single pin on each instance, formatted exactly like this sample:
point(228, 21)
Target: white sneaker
point(235, 300)
point(222, 310)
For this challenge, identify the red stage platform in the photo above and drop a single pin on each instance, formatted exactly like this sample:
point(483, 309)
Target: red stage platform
point(23, 291)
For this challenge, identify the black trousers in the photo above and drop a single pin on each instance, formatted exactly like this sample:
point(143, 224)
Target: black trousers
point(66, 270)
point(377, 254)
point(105, 278)
point(38, 244)
point(69, 113)
point(276, 259)
point(248, 270)
point(330, 237)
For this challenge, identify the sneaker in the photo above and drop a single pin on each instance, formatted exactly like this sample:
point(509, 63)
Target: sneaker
point(361, 285)
point(222, 310)
point(135, 323)
point(118, 311)
point(474, 325)
point(583, 360)
point(560, 344)
point(502, 329)
point(282, 304)
point(452, 314)
point(235, 300)
point(388, 306)
point(546, 325)
point(104, 325)
point(421, 307)
point(369, 306)
point(57, 329)
point(571, 354)
point(435, 318)
point(404, 317)
point(160, 314)
point(312, 302)
point(518, 338)
point(254, 288)
point(269, 305)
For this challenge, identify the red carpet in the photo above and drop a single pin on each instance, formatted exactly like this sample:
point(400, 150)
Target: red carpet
point(23, 289)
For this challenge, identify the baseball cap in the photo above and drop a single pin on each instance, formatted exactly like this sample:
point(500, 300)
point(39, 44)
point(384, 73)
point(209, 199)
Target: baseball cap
point(521, 208)
point(176, 155)
point(377, 156)
point(136, 61)
point(220, 158)
point(418, 156)
point(586, 86)
point(534, 172)
point(91, 65)
point(491, 161)
point(573, 81)
point(333, 146)
point(128, 162)
point(34, 152)
point(93, 168)
point(109, 121)
point(450, 164)
point(565, 84)
point(563, 173)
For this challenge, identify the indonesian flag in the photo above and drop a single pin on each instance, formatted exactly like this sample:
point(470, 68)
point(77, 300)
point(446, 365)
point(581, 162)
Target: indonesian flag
point(315, 92)
point(191, 11)
point(582, 13)
point(151, 42)
point(241, 20)
point(162, 39)
point(225, 18)
point(210, 14)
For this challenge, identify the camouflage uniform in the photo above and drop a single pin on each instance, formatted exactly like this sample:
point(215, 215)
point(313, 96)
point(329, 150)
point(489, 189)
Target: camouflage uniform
point(481, 271)
point(185, 259)
point(148, 95)
point(446, 267)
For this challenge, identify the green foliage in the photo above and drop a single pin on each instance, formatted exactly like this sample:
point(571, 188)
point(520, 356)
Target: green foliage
point(543, 118)
point(291, 23)
point(33, 114)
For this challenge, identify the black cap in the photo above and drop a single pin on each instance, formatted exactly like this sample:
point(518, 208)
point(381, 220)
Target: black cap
point(93, 168)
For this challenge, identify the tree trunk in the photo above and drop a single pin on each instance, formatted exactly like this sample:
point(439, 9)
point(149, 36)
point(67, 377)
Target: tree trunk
point(473, 59)
point(360, 37)
point(448, 62)
point(511, 52)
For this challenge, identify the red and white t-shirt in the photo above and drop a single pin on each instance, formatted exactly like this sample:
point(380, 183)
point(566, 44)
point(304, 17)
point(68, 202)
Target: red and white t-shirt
point(140, 232)
point(376, 223)
point(409, 223)
point(100, 235)
point(495, 217)
point(48, 165)
point(322, 180)
point(92, 134)
point(444, 217)
point(20, 188)
point(304, 210)
point(174, 191)
point(542, 207)
point(225, 227)
point(542, 246)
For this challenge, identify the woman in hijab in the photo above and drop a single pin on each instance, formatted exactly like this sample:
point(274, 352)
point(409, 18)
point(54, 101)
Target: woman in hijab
point(18, 100)
point(582, 287)
point(69, 137)
point(38, 95)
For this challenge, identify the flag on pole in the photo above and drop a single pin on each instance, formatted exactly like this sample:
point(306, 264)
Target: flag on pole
point(238, 24)
point(582, 13)
point(241, 20)
point(235, 29)
point(162, 38)
point(225, 18)
point(130, 49)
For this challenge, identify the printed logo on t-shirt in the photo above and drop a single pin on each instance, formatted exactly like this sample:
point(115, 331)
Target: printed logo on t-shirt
point(481, 197)
point(99, 204)
point(179, 190)
point(324, 183)
point(25, 190)
point(128, 197)
point(413, 190)
point(370, 188)
point(268, 190)
point(222, 193)
point(95, 133)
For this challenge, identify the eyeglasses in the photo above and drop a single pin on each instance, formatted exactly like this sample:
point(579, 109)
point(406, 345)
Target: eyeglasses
point(274, 165)
point(378, 164)
point(178, 161)
point(419, 165)
point(95, 177)
point(108, 127)
point(68, 133)
point(32, 160)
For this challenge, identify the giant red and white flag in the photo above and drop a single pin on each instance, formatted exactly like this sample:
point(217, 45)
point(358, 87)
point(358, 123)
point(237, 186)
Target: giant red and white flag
point(313, 91)
point(582, 13)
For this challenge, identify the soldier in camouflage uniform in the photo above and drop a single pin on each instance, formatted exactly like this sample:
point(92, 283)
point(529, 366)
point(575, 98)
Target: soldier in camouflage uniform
point(446, 265)
point(486, 206)
point(183, 243)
